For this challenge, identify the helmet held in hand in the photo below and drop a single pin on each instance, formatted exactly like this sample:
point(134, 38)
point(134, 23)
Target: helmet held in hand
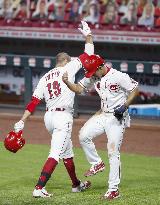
point(14, 141)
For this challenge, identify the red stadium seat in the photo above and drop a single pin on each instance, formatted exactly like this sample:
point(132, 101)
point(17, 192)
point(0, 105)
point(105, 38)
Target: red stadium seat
point(119, 2)
point(17, 23)
point(157, 12)
point(26, 23)
point(1, 21)
point(8, 22)
point(35, 23)
point(66, 15)
point(44, 23)
point(157, 23)
point(51, 8)
point(68, 7)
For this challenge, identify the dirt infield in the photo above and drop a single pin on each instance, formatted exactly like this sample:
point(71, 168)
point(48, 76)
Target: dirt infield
point(143, 137)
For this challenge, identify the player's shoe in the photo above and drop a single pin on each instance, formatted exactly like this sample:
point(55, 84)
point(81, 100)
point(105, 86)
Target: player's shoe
point(81, 187)
point(37, 193)
point(110, 195)
point(100, 167)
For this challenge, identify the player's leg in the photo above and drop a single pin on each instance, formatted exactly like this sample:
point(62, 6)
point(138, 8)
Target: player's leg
point(114, 131)
point(91, 129)
point(77, 185)
point(67, 156)
point(59, 124)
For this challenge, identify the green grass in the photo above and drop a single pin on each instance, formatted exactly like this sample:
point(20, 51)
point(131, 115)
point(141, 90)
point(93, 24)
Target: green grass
point(19, 172)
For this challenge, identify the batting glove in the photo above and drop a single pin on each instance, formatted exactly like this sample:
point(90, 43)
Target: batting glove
point(85, 30)
point(19, 126)
point(119, 110)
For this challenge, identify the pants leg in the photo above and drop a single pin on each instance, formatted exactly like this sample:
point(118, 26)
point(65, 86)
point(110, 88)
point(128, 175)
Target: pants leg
point(114, 131)
point(61, 144)
point(92, 128)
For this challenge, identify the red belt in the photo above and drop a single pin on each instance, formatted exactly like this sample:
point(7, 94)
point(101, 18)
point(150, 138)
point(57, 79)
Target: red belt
point(57, 109)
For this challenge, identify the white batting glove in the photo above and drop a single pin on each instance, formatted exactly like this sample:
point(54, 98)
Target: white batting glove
point(19, 126)
point(85, 30)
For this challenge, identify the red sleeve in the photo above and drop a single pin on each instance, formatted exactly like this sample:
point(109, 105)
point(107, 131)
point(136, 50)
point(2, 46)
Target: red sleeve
point(32, 104)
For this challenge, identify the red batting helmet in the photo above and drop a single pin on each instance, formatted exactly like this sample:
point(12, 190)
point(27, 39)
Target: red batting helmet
point(91, 63)
point(14, 141)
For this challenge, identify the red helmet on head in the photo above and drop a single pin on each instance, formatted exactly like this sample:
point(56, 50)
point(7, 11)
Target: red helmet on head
point(14, 141)
point(91, 63)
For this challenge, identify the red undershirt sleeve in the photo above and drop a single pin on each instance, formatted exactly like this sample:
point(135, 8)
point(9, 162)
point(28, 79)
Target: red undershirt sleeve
point(33, 104)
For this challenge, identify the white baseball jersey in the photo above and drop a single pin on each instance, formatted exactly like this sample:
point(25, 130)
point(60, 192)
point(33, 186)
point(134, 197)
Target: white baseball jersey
point(113, 88)
point(54, 90)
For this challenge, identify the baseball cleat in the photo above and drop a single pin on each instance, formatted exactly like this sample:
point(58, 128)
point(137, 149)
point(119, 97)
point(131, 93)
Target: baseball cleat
point(110, 195)
point(82, 187)
point(100, 167)
point(37, 193)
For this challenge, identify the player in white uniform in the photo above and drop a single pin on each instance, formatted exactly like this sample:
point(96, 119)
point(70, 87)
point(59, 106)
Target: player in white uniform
point(59, 116)
point(116, 90)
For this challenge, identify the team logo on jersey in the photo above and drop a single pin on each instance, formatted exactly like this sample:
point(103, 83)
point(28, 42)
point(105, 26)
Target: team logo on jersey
point(113, 87)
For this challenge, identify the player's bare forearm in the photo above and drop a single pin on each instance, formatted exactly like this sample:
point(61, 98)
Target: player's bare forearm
point(89, 46)
point(132, 96)
point(25, 115)
point(89, 39)
point(74, 87)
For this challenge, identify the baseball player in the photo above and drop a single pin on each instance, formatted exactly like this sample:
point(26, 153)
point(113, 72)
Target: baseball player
point(116, 90)
point(59, 116)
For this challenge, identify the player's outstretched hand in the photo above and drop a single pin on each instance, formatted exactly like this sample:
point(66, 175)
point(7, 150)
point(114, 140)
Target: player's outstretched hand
point(85, 30)
point(65, 77)
point(19, 126)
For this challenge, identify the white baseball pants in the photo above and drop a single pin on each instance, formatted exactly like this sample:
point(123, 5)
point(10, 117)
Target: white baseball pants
point(96, 126)
point(59, 125)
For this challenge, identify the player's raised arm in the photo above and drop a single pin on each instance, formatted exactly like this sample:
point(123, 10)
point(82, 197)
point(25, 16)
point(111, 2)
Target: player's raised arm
point(86, 31)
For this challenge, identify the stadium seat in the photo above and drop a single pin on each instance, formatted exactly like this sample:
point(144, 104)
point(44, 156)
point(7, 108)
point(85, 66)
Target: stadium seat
point(35, 23)
point(1, 21)
point(51, 8)
point(26, 23)
point(18, 22)
point(157, 23)
point(157, 12)
point(66, 15)
point(8, 22)
point(44, 23)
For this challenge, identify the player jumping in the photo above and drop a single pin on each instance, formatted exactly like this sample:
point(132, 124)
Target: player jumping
point(116, 90)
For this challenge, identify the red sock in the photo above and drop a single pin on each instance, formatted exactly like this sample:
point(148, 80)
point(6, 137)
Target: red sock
point(69, 164)
point(47, 170)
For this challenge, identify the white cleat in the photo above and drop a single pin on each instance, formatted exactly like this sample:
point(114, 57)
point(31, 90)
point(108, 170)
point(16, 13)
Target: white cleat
point(82, 187)
point(37, 193)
